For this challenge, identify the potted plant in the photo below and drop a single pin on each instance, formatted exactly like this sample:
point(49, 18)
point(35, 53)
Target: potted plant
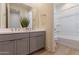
point(24, 22)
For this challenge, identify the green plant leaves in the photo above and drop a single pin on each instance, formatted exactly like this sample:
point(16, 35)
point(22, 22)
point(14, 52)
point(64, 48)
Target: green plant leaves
point(24, 22)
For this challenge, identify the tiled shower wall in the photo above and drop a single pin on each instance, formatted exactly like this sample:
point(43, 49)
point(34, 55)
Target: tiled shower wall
point(69, 20)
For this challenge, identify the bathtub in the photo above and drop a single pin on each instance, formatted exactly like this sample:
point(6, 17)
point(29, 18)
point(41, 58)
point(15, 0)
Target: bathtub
point(67, 40)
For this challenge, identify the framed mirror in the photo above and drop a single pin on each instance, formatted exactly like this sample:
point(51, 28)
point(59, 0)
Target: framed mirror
point(16, 11)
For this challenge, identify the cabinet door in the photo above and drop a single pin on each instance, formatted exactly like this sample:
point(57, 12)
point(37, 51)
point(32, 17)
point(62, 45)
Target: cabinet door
point(7, 48)
point(41, 42)
point(22, 46)
point(36, 43)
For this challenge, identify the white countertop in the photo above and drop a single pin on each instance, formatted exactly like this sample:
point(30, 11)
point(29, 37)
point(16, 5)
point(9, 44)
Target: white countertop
point(10, 32)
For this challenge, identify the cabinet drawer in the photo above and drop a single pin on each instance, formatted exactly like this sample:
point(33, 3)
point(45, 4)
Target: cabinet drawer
point(5, 37)
point(20, 35)
point(36, 34)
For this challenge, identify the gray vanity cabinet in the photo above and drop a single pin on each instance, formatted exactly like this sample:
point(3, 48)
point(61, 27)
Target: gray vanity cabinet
point(37, 41)
point(21, 43)
point(7, 47)
point(22, 46)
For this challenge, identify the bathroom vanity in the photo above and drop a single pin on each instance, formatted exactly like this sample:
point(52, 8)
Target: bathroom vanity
point(21, 43)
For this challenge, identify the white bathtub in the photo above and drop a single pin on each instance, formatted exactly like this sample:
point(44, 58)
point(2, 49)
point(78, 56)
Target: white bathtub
point(70, 41)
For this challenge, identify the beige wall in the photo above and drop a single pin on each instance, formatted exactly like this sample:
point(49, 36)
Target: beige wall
point(43, 18)
point(2, 15)
point(35, 17)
